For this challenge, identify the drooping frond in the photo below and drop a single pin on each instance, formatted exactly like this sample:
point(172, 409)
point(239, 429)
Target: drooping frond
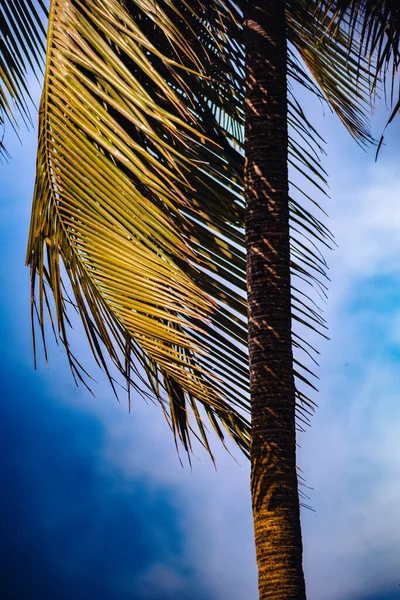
point(125, 175)
point(376, 39)
point(339, 73)
point(22, 38)
point(139, 195)
point(321, 65)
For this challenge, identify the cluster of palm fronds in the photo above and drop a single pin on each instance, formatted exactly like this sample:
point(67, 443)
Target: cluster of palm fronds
point(138, 205)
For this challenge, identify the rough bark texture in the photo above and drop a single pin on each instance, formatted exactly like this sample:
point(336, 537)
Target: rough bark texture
point(273, 455)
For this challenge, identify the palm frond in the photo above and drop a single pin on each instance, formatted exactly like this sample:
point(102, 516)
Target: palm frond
point(22, 37)
point(376, 40)
point(122, 177)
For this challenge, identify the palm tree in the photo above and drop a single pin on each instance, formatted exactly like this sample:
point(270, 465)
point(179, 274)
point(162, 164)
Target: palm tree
point(165, 134)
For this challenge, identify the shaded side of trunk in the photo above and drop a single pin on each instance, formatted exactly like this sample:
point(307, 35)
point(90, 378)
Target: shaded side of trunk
point(273, 455)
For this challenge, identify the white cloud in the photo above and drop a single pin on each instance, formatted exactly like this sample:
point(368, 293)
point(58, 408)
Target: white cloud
point(157, 581)
point(353, 461)
point(352, 453)
point(215, 505)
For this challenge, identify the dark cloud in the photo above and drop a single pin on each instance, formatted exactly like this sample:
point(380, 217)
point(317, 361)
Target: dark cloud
point(70, 527)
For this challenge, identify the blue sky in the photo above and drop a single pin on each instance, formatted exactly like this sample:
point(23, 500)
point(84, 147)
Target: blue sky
point(94, 501)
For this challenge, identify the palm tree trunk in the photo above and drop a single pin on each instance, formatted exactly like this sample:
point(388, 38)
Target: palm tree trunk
point(273, 455)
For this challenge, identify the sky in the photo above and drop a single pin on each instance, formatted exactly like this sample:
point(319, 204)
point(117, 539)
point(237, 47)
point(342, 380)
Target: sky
point(94, 501)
